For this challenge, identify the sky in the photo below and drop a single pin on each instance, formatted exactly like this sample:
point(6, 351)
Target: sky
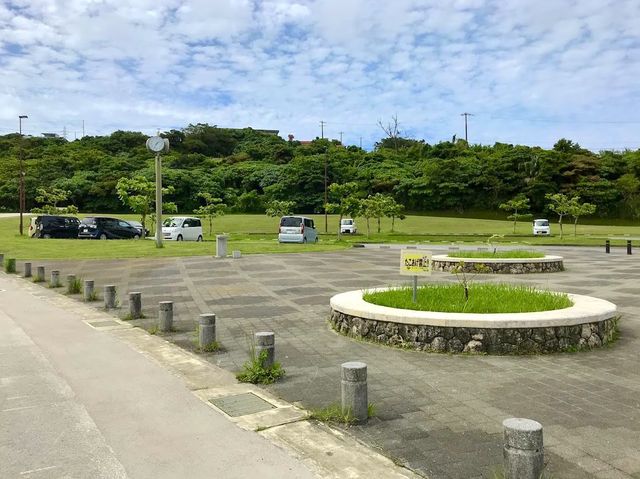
point(530, 71)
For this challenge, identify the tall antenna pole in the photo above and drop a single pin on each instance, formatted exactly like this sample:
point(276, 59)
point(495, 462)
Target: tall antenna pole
point(465, 114)
point(341, 137)
point(322, 123)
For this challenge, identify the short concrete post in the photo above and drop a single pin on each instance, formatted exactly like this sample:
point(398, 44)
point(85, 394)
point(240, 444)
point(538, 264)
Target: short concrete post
point(88, 290)
point(165, 316)
point(523, 449)
point(236, 254)
point(354, 390)
point(206, 330)
point(221, 246)
point(109, 296)
point(607, 246)
point(55, 279)
point(135, 305)
point(266, 341)
point(628, 246)
point(40, 273)
point(27, 270)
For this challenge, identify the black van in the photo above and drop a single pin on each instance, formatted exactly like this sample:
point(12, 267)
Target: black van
point(50, 226)
point(100, 227)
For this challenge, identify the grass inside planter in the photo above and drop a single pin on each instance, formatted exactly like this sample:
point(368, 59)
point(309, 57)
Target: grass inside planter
point(483, 298)
point(516, 253)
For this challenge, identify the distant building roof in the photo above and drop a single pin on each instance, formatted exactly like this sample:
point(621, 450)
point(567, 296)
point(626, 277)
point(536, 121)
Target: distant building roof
point(50, 135)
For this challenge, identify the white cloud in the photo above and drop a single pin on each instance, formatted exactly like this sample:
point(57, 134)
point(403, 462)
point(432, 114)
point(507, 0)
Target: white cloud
point(284, 64)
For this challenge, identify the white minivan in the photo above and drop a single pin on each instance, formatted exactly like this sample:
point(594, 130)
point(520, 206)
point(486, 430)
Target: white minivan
point(347, 225)
point(541, 227)
point(182, 228)
point(297, 229)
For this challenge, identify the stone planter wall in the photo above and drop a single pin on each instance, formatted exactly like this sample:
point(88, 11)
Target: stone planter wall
point(477, 340)
point(501, 266)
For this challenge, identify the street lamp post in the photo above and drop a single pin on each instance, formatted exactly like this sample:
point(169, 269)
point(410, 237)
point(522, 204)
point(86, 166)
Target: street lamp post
point(21, 194)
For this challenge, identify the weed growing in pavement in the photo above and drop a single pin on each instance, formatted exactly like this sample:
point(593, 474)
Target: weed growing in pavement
point(74, 286)
point(334, 414)
point(254, 371)
point(10, 265)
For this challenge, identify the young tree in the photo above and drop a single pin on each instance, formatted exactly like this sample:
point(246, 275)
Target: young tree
point(560, 205)
point(344, 201)
point(213, 207)
point(577, 209)
point(50, 199)
point(373, 207)
point(138, 193)
point(517, 207)
point(277, 208)
point(393, 210)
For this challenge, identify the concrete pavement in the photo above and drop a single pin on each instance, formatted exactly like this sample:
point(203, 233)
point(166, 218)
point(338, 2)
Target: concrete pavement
point(75, 402)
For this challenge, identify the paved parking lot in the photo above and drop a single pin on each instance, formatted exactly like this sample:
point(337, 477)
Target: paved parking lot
point(438, 414)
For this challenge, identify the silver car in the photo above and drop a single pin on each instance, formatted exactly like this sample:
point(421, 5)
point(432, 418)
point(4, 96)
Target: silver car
point(297, 229)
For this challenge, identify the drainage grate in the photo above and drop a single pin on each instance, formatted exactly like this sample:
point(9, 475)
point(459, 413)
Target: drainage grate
point(241, 404)
point(103, 324)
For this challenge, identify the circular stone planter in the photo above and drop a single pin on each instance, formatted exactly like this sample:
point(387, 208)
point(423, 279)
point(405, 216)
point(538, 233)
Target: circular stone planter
point(547, 264)
point(589, 323)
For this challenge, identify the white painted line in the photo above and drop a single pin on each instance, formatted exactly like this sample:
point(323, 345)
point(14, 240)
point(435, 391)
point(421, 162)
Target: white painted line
point(18, 397)
point(18, 408)
point(40, 469)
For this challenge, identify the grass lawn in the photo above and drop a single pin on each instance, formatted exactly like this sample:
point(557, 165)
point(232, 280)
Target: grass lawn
point(515, 253)
point(258, 234)
point(483, 298)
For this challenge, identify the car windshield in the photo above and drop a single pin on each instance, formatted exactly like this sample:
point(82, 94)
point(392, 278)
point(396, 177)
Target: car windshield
point(171, 222)
point(542, 222)
point(347, 222)
point(291, 221)
point(88, 221)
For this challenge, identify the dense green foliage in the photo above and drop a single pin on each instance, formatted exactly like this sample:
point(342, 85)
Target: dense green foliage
point(247, 169)
point(483, 298)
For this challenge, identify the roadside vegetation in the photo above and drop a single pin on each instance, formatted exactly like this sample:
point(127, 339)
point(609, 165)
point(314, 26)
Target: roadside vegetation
point(483, 298)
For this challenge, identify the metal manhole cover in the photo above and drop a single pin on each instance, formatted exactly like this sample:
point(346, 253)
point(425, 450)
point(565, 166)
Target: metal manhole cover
point(241, 404)
point(104, 324)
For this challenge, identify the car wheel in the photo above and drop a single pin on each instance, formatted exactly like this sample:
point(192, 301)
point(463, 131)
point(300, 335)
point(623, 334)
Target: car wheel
point(46, 236)
point(103, 236)
point(179, 238)
point(136, 237)
point(199, 238)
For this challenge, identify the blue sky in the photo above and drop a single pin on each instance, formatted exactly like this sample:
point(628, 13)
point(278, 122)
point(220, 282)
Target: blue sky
point(530, 71)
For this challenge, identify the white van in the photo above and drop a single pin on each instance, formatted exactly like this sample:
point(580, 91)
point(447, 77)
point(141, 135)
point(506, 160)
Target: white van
point(347, 225)
point(541, 227)
point(297, 229)
point(181, 228)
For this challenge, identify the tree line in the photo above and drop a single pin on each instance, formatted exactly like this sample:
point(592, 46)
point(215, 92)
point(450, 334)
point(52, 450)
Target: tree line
point(247, 170)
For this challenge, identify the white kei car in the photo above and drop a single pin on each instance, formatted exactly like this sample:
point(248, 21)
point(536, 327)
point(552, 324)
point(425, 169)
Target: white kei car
point(182, 228)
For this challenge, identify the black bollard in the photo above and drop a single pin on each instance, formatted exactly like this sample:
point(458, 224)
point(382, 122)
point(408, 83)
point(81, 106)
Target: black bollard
point(628, 246)
point(607, 246)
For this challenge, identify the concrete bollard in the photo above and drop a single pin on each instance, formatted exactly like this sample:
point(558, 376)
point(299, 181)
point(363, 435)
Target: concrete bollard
point(165, 316)
point(266, 341)
point(40, 273)
point(607, 246)
point(236, 254)
point(135, 305)
point(27, 270)
point(88, 290)
point(206, 330)
point(354, 390)
point(628, 246)
point(523, 449)
point(55, 279)
point(221, 246)
point(109, 296)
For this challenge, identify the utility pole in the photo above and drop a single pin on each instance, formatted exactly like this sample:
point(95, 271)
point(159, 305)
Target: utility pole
point(465, 114)
point(322, 123)
point(341, 137)
point(64, 132)
point(326, 167)
point(21, 195)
